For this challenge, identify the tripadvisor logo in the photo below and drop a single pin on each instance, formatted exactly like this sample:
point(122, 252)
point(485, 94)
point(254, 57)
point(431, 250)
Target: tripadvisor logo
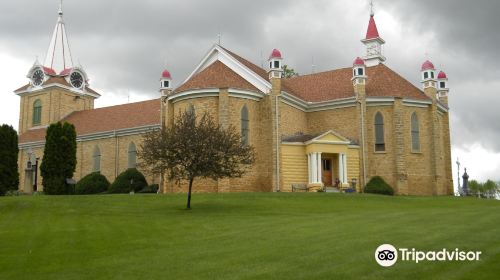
point(387, 255)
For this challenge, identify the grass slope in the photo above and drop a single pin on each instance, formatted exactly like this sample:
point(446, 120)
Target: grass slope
point(242, 236)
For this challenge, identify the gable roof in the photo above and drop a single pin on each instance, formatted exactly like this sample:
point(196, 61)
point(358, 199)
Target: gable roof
point(218, 70)
point(324, 136)
point(247, 70)
point(330, 135)
point(105, 119)
point(337, 84)
point(217, 75)
point(258, 70)
point(57, 80)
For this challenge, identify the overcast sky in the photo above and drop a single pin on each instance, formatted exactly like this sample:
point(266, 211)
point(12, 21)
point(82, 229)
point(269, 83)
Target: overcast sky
point(124, 46)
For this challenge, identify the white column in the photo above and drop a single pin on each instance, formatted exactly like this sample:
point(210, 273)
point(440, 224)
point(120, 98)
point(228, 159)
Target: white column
point(314, 167)
point(309, 168)
point(341, 168)
point(344, 164)
point(320, 168)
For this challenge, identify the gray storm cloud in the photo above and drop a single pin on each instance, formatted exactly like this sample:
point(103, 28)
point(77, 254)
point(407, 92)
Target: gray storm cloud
point(125, 44)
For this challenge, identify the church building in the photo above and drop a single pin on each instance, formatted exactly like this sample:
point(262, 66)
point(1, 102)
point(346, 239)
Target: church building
point(335, 128)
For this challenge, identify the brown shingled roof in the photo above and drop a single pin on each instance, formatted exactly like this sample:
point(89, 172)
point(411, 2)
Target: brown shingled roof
point(55, 80)
point(384, 82)
point(106, 119)
point(322, 86)
point(336, 84)
point(256, 69)
point(217, 75)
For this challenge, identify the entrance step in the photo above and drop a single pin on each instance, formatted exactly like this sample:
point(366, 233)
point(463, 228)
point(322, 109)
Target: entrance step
point(332, 190)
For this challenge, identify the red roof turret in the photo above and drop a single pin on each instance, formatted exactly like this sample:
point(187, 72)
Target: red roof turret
point(427, 66)
point(166, 75)
point(358, 62)
point(442, 75)
point(275, 54)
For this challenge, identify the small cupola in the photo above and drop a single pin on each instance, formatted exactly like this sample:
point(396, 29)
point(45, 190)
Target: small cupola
point(165, 81)
point(428, 74)
point(275, 64)
point(443, 89)
point(442, 81)
point(358, 71)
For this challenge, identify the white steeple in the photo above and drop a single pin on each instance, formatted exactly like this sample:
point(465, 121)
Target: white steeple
point(59, 54)
point(373, 42)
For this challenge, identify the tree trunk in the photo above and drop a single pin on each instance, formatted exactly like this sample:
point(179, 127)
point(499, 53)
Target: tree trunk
point(189, 192)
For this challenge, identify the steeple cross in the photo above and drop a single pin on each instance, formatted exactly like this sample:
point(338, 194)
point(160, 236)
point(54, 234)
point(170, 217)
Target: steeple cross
point(371, 8)
point(60, 7)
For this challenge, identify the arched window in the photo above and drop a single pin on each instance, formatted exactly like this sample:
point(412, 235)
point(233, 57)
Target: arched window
point(97, 160)
point(379, 133)
point(37, 112)
point(132, 155)
point(191, 109)
point(415, 133)
point(245, 129)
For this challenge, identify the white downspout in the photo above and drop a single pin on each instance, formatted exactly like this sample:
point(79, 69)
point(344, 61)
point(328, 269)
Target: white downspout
point(363, 144)
point(277, 147)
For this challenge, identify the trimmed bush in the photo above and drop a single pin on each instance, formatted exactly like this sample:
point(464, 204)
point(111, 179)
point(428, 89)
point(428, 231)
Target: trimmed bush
point(150, 189)
point(129, 180)
point(59, 158)
point(92, 183)
point(377, 185)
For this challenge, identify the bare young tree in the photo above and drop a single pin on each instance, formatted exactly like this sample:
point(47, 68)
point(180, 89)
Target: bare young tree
point(194, 148)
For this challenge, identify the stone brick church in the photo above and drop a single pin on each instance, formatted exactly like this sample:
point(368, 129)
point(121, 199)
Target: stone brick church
point(338, 127)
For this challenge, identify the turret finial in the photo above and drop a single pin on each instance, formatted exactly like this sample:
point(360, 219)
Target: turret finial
point(60, 8)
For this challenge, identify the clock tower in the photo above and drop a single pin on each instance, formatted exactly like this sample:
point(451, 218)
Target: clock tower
point(56, 88)
point(373, 43)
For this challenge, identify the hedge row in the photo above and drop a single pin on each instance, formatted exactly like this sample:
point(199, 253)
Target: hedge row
point(128, 181)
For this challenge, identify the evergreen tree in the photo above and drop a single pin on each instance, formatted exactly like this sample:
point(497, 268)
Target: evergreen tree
point(59, 158)
point(9, 174)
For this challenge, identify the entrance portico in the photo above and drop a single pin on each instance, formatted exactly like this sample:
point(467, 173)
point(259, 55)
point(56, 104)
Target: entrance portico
point(319, 163)
point(327, 159)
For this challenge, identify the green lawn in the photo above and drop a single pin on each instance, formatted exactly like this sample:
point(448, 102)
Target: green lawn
point(242, 236)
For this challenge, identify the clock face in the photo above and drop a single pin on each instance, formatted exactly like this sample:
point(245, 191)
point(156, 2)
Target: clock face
point(76, 79)
point(37, 77)
point(372, 50)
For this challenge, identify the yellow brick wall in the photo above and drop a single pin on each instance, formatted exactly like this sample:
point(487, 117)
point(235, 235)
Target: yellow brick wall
point(252, 181)
point(256, 178)
point(342, 120)
point(22, 163)
point(56, 104)
point(420, 178)
point(209, 104)
point(292, 119)
point(114, 159)
point(380, 163)
point(353, 166)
